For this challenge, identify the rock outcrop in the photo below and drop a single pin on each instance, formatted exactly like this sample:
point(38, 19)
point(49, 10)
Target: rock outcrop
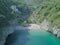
point(43, 26)
point(6, 31)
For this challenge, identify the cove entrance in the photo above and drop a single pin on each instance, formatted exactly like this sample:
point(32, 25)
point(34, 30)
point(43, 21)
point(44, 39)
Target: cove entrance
point(32, 37)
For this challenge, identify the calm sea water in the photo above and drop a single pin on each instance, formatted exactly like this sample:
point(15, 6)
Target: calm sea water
point(25, 37)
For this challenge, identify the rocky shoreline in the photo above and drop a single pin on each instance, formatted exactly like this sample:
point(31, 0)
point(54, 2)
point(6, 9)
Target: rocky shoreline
point(10, 29)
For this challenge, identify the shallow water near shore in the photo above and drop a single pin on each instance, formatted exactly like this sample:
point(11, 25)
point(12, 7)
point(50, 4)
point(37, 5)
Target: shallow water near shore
point(32, 37)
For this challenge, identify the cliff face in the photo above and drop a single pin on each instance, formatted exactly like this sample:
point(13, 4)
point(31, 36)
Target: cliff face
point(55, 31)
point(45, 25)
point(5, 33)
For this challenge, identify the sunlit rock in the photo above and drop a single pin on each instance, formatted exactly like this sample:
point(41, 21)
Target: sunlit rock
point(58, 33)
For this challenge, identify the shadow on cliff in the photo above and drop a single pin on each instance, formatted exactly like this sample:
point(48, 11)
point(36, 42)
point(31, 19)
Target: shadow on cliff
point(18, 37)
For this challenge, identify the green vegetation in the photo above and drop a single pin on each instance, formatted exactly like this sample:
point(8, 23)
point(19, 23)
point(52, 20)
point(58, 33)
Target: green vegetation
point(34, 11)
point(49, 10)
point(7, 14)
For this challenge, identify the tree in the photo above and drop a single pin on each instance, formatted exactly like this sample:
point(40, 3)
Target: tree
point(49, 10)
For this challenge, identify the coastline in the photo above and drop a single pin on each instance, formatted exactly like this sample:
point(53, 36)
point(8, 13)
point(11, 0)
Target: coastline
point(10, 29)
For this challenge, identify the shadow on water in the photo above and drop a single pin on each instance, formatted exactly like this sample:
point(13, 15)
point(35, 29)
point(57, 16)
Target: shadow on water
point(19, 37)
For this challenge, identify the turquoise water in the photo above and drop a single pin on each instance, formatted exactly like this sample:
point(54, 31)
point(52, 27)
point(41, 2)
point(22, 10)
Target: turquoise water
point(25, 37)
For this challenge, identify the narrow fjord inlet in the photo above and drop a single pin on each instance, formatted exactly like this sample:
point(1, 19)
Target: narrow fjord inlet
point(32, 37)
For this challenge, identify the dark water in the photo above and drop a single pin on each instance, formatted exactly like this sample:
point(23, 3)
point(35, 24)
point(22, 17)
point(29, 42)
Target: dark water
point(25, 37)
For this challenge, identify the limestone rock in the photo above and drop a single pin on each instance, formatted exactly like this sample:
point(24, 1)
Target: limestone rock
point(58, 33)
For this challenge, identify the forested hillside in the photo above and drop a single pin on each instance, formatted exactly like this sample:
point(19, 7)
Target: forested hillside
point(34, 11)
point(49, 10)
point(28, 12)
point(11, 9)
